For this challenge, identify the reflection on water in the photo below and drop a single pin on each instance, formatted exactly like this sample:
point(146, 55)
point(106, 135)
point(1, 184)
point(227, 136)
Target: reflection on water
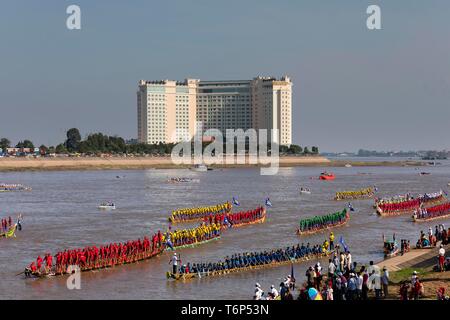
point(61, 213)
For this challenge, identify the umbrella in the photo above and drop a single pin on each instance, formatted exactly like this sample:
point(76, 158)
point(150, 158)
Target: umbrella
point(314, 294)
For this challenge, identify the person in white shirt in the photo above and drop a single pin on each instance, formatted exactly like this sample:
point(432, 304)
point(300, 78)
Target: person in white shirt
point(349, 260)
point(330, 293)
point(287, 281)
point(336, 261)
point(441, 258)
point(331, 269)
point(359, 285)
point(373, 268)
point(174, 262)
point(274, 291)
point(319, 267)
point(258, 292)
point(414, 279)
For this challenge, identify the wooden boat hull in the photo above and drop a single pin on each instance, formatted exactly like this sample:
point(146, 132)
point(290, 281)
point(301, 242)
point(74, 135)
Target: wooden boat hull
point(54, 274)
point(107, 207)
point(194, 244)
point(392, 254)
point(176, 221)
point(342, 223)
point(426, 204)
point(189, 276)
point(10, 233)
point(447, 215)
point(260, 220)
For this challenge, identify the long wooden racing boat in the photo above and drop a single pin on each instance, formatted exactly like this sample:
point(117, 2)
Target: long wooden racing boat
point(52, 273)
point(362, 194)
point(141, 257)
point(200, 216)
point(188, 276)
point(433, 216)
point(447, 215)
point(328, 227)
point(196, 243)
point(13, 187)
point(10, 233)
point(261, 219)
point(424, 202)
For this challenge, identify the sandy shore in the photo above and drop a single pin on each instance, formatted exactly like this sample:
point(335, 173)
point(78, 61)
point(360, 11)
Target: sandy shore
point(97, 163)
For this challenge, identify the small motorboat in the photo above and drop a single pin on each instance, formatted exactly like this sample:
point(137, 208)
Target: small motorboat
point(390, 247)
point(348, 165)
point(107, 206)
point(200, 168)
point(327, 176)
point(425, 173)
point(305, 191)
point(182, 180)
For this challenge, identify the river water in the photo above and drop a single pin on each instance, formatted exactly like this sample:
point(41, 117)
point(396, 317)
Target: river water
point(61, 212)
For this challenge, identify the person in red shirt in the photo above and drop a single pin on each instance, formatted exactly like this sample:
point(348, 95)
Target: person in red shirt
point(39, 263)
point(33, 267)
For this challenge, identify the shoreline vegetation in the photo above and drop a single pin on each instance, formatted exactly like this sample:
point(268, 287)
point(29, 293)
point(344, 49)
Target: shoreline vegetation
point(165, 162)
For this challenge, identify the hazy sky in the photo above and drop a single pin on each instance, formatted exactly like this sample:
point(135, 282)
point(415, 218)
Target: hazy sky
point(353, 88)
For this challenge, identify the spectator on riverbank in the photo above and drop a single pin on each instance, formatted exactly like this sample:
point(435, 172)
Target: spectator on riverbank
point(441, 258)
point(385, 282)
point(416, 287)
point(404, 287)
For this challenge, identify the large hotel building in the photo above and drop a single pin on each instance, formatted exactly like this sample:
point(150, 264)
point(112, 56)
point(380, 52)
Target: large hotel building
point(169, 110)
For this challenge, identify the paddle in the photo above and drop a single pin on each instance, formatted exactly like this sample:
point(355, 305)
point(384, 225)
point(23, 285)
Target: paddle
point(20, 273)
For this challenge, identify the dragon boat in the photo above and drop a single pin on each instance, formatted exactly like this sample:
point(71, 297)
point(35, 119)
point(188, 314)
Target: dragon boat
point(101, 266)
point(366, 193)
point(325, 227)
point(432, 213)
point(198, 214)
point(406, 204)
point(200, 274)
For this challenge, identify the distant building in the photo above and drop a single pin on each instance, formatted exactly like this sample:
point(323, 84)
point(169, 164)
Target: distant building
point(19, 151)
point(168, 110)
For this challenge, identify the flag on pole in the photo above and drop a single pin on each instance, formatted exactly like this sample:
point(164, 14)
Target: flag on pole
point(342, 242)
point(292, 276)
point(169, 242)
point(236, 202)
point(351, 207)
point(268, 203)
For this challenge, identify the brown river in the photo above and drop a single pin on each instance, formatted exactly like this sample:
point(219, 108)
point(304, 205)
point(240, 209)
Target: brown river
point(61, 213)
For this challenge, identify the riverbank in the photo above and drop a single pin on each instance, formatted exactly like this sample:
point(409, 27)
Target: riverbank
point(123, 163)
point(423, 262)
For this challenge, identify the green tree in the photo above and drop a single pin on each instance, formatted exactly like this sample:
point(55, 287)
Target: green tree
point(295, 149)
point(306, 150)
point(25, 144)
point(61, 148)
point(4, 143)
point(73, 139)
point(51, 149)
point(315, 150)
point(43, 150)
point(284, 149)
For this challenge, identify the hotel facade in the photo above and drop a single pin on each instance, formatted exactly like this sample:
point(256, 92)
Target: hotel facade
point(169, 110)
